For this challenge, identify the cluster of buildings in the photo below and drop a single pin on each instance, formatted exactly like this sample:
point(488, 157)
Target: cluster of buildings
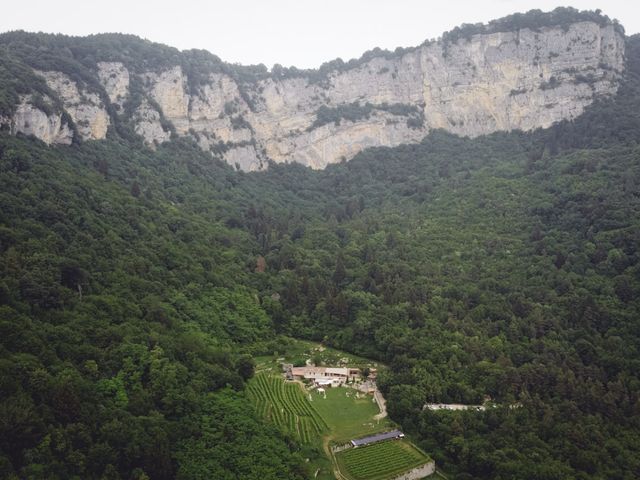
point(324, 376)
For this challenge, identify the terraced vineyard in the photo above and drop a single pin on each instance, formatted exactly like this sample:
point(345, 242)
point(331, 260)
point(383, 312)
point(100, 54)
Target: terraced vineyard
point(285, 404)
point(380, 461)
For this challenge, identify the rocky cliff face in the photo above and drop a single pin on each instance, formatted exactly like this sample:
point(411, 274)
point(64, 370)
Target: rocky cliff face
point(85, 108)
point(114, 77)
point(521, 79)
point(48, 127)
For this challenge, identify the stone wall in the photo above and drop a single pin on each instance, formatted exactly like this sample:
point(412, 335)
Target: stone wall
point(341, 448)
point(418, 472)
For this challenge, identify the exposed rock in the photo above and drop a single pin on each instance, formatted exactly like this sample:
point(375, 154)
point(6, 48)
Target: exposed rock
point(501, 81)
point(148, 125)
point(168, 89)
point(246, 157)
point(215, 109)
point(30, 120)
point(216, 103)
point(331, 143)
point(85, 108)
point(523, 79)
point(519, 80)
point(114, 77)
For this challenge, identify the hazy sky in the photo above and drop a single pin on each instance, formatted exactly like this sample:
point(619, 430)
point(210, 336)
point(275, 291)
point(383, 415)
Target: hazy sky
point(303, 33)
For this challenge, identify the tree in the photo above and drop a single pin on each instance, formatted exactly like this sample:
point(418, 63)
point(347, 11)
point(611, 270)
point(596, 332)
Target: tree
point(245, 366)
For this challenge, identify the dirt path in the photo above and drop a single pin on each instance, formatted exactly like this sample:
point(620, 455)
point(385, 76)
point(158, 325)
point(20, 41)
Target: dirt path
point(334, 463)
point(382, 404)
point(366, 387)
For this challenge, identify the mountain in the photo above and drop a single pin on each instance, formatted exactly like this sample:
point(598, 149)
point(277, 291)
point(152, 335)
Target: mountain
point(518, 73)
point(139, 285)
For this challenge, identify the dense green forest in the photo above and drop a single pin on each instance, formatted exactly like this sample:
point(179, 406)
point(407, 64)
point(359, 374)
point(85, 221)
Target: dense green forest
point(121, 314)
point(137, 285)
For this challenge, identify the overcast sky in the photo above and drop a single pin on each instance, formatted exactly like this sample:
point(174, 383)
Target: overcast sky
point(290, 32)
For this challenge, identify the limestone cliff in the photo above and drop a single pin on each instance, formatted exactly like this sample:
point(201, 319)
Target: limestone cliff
point(85, 108)
point(48, 127)
point(474, 85)
point(114, 77)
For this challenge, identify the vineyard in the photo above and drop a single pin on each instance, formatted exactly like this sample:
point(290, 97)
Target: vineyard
point(285, 405)
point(334, 418)
point(380, 461)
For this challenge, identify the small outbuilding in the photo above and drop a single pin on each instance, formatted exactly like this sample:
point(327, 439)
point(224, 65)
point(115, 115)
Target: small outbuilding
point(393, 434)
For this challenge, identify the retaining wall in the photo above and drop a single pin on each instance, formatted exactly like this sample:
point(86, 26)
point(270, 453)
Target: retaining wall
point(418, 472)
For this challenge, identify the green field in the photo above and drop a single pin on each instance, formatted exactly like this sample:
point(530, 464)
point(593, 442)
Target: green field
point(285, 405)
point(380, 461)
point(348, 414)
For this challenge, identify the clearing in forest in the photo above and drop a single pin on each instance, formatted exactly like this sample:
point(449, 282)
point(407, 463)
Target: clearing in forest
point(333, 417)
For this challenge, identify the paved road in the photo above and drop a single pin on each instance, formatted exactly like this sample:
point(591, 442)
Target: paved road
point(452, 406)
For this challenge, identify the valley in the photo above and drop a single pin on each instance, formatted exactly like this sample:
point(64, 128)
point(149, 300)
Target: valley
point(193, 279)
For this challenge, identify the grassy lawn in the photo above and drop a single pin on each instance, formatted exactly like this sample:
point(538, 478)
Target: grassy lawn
point(346, 415)
point(380, 461)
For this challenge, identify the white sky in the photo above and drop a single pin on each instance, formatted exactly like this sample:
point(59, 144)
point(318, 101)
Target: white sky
point(303, 33)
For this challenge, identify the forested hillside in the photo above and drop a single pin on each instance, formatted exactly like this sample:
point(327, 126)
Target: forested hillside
point(136, 285)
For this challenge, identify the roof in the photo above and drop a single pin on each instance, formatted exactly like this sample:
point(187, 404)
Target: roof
point(307, 370)
point(377, 438)
point(337, 371)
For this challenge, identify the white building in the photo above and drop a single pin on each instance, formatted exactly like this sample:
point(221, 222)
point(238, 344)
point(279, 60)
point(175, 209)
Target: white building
point(326, 376)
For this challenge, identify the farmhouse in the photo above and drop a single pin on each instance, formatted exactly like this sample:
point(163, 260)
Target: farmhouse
point(325, 376)
point(393, 434)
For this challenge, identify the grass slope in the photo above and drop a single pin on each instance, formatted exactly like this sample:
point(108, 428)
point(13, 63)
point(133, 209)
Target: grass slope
point(347, 415)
